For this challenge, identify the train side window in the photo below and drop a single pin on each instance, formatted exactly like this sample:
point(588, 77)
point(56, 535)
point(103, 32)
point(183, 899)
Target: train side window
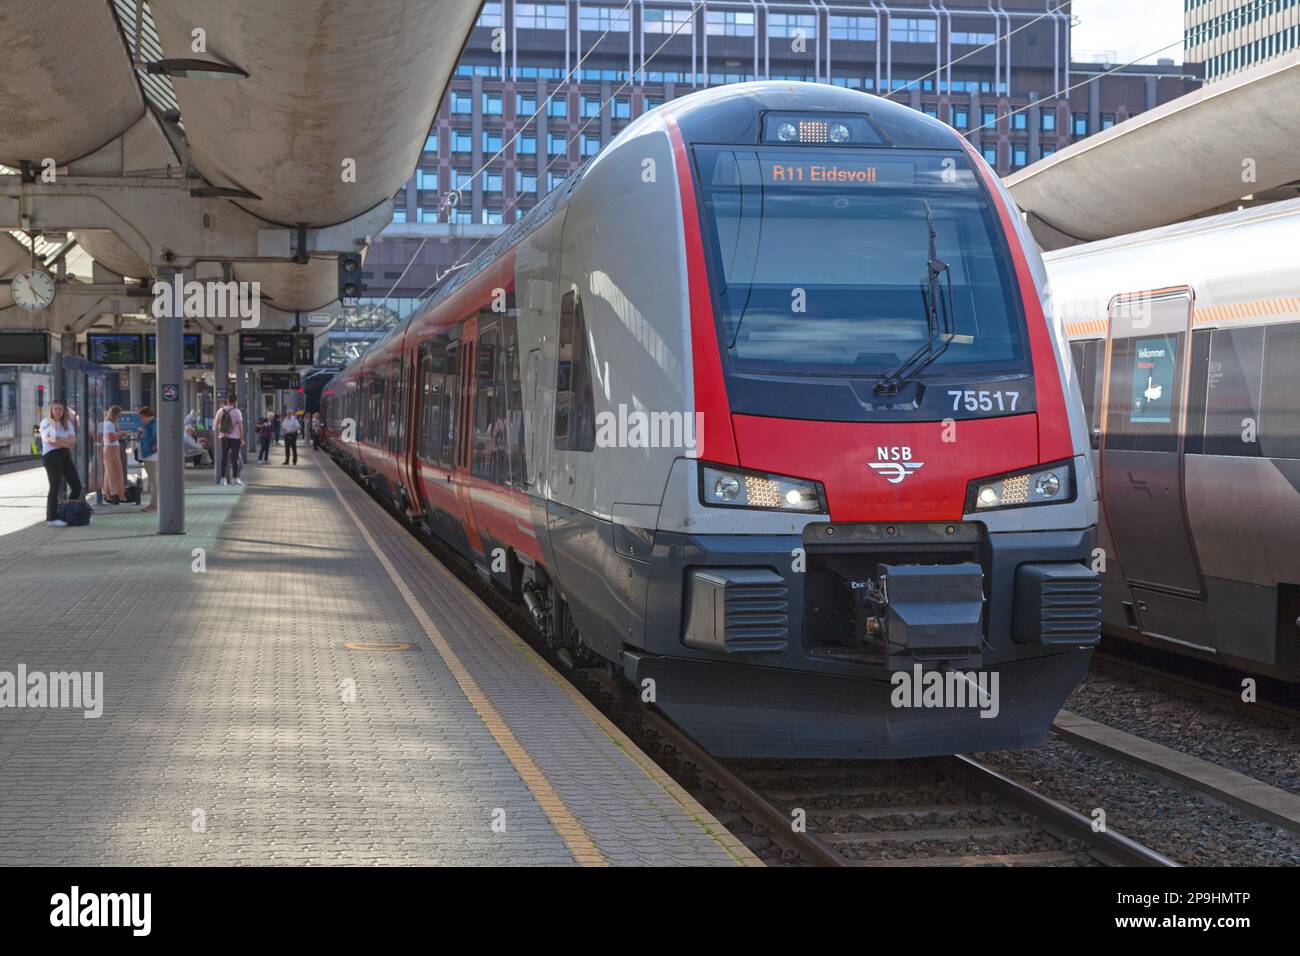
point(1198, 386)
point(575, 400)
point(1279, 435)
point(514, 395)
point(1087, 357)
point(488, 395)
point(447, 425)
point(1232, 403)
point(396, 405)
point(431, 391)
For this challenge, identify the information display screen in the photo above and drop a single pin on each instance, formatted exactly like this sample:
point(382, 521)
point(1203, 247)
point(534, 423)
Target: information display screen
point(115, 349)
point(266, 348)
point(24, 348)
point(1153, 380)
point(193, 349)
point(276, 381)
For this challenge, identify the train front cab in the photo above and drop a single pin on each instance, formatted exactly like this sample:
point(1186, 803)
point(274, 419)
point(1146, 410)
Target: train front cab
point(832, 551)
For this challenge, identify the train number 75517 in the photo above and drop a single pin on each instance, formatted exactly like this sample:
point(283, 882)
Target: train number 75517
point(984, 401)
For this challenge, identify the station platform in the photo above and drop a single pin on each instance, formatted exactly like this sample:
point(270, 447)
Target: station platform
point(296, 680)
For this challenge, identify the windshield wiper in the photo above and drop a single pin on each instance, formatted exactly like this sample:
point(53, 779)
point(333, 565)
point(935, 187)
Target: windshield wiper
point(938, 340)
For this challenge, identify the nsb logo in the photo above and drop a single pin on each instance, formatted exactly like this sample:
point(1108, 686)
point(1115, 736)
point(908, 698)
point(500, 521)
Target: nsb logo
point(894, 462)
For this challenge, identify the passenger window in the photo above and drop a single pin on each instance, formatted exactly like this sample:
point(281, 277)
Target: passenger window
point(1233, 396)
point(431, 391)
point(1280, 414)
point(488, 453)
point(1145, 380)
point(514, 406)
point(575, 401)
point(447, 425)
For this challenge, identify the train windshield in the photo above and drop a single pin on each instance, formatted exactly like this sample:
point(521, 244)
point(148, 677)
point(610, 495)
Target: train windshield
point(820, 258)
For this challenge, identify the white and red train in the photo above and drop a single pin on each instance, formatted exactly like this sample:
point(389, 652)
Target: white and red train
point(763, 406)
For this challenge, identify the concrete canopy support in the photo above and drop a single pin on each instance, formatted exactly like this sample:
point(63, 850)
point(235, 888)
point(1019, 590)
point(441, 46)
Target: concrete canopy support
point(170, 372)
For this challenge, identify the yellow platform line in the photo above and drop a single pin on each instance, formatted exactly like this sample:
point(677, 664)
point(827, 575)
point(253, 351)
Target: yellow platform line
point(582, 847)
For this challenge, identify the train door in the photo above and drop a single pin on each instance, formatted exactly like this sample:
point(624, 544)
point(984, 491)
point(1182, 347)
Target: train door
point(463, 440)
point(1142, 454)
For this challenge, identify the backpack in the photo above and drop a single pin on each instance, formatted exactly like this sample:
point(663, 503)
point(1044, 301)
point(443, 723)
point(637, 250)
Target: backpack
point(133, 493)
point(75, 513)
point(225, 424)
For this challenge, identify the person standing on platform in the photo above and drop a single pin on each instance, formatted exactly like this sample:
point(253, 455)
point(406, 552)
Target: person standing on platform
point(148, 454)
point(114, 479)
point(290, 430)
point(230, 430)
point(264, 439)
point(58, 438)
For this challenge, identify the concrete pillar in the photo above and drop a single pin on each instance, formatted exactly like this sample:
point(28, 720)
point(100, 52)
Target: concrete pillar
point(221, 384)
point(170, 374)
point(58, 383)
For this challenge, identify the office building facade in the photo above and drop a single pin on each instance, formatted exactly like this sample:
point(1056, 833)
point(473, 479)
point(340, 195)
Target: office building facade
point(1228, 36)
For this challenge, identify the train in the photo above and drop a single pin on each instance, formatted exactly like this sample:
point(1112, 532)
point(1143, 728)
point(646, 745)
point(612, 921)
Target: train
point(763, 410)
point(1186, 341)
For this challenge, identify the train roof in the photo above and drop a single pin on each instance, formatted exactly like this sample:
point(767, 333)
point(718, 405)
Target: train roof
point(1179, 230)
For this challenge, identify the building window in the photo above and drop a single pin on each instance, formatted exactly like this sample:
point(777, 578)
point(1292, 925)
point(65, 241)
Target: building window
point(490, 16)
point(492, 104)
point(1107, 120)
point(590, 145)
point(554, 179)
point(461, 141)
point(1048, 151)
point(525, 182)
point(960, 118)
point(1021, 156)
point(974, 39)
point(526, 146)
point(602, 19)
point(1049, 121)
point(930, 110)
point(491, 141)
point(492, 181)
point(729, 23)
point(909, 30)
point(590, 105)
point(1020, 121)
point(431, 144)
point(525, 104)
point(990, 119)
point(540, 16)
point(991, 156)
point(399, 214)
point(862, 29)
point(556, 144)
point(425, 214)
point(461, 179)
point(558, 106)
point(426, 179)
point(492, 217)
point(680, 22)
point(1080, 123)
point(461, 217)
point(462, 103)
point(792, 25)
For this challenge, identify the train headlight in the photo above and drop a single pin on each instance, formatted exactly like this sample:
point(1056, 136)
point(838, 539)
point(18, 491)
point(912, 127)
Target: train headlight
point(737, 488)
point(839, 133)
point(787, 133)
point(1047, 484)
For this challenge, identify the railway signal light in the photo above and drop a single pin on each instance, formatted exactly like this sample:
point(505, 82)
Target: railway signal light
point(350, 285)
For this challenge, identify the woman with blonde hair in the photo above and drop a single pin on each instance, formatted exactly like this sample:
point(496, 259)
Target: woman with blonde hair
point(114, 479)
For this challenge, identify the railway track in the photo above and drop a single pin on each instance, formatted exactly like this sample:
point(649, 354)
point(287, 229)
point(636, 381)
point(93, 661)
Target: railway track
point(950, 811)
point(1277, 703)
